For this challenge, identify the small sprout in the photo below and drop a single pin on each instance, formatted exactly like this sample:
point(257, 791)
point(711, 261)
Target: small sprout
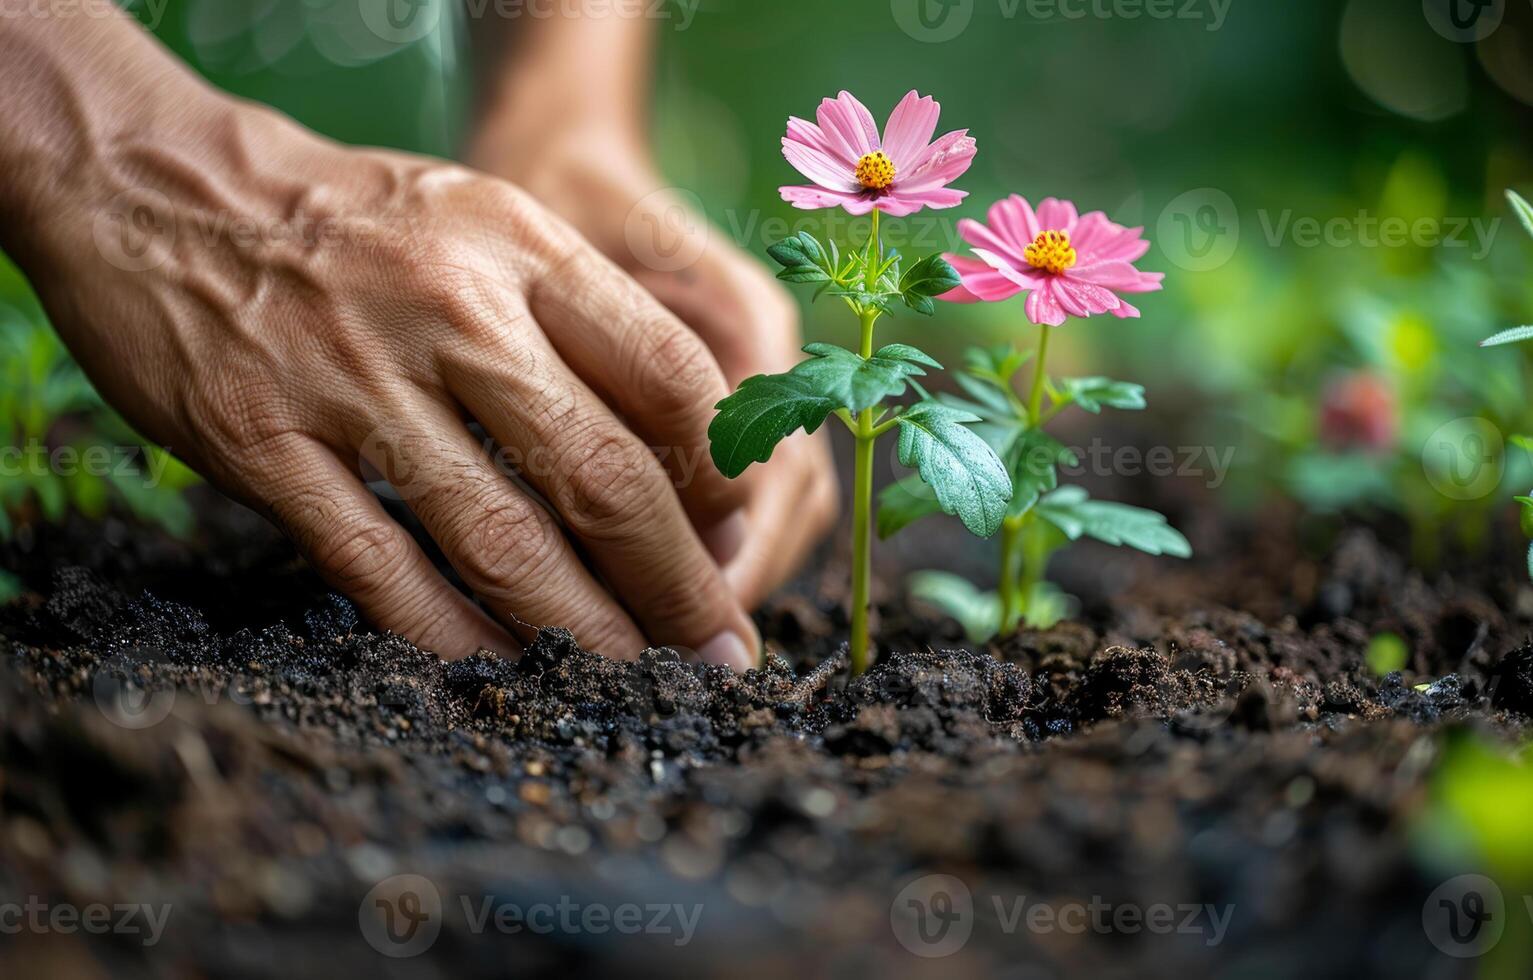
point(1386, 654)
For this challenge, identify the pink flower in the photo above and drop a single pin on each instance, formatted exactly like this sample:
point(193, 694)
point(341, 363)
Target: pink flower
point(1359, 411)
point(853, 168)
point(1069, 265)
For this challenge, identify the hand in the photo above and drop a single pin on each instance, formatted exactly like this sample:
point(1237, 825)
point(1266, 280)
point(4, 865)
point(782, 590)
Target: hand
point(599, 178)
point(275, 308)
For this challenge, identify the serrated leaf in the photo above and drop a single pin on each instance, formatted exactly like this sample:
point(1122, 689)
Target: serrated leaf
point(1523, 209)
point(803, 259)
point(1511, 336)
point(763, 411)
point(930, 277)
point(968, 478)
point(902, 503)
point(1525, 515)
point(979, 613)
point(1074, 513)
point(856, 383)
point(1032, 461)
point(1094, 394)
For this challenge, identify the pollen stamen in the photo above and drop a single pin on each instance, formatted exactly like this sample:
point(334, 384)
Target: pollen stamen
point(875, 171)
point(1051, 252)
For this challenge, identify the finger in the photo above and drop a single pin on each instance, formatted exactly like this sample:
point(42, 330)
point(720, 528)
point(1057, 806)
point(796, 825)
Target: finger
point(506, 547)
point(611, 492)
point(356, 547)
point(646, 364)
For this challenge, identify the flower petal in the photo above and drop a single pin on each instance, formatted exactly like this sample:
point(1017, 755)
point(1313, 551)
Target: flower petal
point(1083, 298)
point(1013, 221)
point(981, 236)
point(980, 282)
point(909, 130)
point(1056, 215)
point(945, 161)
point(811, 135)
point(819, 167)
point(811, 198)
point(1043, 308)
point(899, 201)
point(1115, 275)
point(1023, 277)
point(848, 126)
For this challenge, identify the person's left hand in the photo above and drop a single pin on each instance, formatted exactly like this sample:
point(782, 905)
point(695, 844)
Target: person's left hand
point(603, 183)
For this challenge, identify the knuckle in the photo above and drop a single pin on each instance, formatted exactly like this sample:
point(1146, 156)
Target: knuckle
point(680, 605)
point(358, 556)
point(679, 373)
point(610, 487)
point(508, 543)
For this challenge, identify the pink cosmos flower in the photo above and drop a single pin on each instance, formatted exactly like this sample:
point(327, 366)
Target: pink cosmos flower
point(1069, 265)
point(853, 168)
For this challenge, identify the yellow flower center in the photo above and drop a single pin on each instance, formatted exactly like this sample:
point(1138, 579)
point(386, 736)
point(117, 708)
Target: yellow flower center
point(1051, 252)
point(875, 171)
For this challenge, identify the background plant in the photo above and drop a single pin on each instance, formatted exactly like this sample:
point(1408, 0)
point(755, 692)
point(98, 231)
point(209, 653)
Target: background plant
point(46, 404)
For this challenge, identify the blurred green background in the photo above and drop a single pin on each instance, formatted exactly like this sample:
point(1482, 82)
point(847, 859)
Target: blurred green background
point(1222, 127)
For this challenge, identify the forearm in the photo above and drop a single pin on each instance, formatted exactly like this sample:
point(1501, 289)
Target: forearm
point(542, 78)
point(80, 99)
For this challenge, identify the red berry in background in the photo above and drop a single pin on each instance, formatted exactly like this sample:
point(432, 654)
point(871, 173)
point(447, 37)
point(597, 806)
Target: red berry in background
point(1359, 411)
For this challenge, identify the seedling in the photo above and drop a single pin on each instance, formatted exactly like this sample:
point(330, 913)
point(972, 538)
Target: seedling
point(1512, 336)
point(57, 432)
point(898, 173)
point(1069, 265)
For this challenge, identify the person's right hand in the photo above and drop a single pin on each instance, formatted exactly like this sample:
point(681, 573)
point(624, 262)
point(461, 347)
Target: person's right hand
point(275, 308)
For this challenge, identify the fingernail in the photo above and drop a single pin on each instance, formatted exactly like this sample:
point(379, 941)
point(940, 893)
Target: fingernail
point(725, 538)
point(729, 650)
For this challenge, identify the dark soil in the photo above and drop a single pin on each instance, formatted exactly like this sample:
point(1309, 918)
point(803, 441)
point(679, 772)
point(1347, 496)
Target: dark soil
point(234, 744)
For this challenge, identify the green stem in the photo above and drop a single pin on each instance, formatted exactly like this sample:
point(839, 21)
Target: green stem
point(1035, 395)
point(862, 514)
point(1010, 529)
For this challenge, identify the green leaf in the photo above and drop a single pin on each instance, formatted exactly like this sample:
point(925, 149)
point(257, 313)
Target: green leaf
point(1074, 513)
point(930, 277)
point(979, 613)
point(1525, 515)
point(10, 587)
point(1511, 336)
point(1523, 209)
point(990, 401)
point(1093, 394)
point(904, 502)
point(997, 364)
point(969, 480)
point(855, 383)
point(1033, 461)
point(803, 259)
point(763, 411)
point(1386, 654)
